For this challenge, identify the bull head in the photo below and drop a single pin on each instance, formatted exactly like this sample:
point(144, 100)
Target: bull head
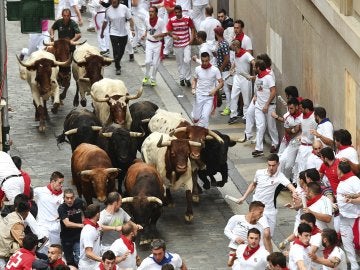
point(131, 133)
point(149, 199)
point(74, 130)
point(168, 143)
point(32, 65)
point(90, 172)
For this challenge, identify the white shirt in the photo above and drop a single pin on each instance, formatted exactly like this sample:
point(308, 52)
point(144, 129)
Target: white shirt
point(257, 261)
point(246, 43)
point(266, 186)
point(348, 186)
point(159, 28)
point(325, 129)
point(209, 48)
point(185, 4)
point(340, 254)
point(206, 79)
point(238, 226)
point(299, 253)
point(117, 18)
point(149, 264)
point(198, 2)
point(242, 64)
point(89, 237)
point(306, 125)
point(313, 161)
point(116, 219)
point(262, 88)
point(48, 205)
point(349, 153)
point(119, 248)
point(208, 25)
point(323, 206)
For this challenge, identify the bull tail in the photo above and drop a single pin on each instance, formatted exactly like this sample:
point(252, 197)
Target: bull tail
point(61, 138)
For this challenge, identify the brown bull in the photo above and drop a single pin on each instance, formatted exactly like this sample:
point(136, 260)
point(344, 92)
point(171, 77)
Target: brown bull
point(144, 186)
point(92, 172)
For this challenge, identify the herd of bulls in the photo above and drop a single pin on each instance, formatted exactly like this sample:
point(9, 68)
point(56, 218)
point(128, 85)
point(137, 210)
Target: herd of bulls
point(105, 142)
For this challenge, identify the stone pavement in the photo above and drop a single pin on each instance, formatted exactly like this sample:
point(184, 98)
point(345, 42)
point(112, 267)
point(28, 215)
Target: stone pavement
point(202, 243)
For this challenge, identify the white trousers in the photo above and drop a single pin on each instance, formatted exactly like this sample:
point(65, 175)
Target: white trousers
point(271, 220)
point(243, 86)
point(152, 58)
point(346, 225)
point(140, 16)
point(202, 110)
point(226, 88)
point(250, 120)
point(36, 41)
point(198, 15)
point(300, 161)
point(103, 43)
point(262, 121)
point(183, 61)
point(288, 157)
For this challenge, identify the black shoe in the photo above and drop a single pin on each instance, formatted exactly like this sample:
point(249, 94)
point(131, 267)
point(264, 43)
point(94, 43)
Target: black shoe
point(273, 149)
point(132, 59)
point(233, 120)
point(182, 82)
point(188, 83)
point(118, 72)
point(105, 53)
point(257, 153)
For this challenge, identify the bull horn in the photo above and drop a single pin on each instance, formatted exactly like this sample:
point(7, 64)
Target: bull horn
point(162, 144)
point(48, 44)
point(22, 63)
point(127, 200)
point(71, 131)
point(96, 128)
point(235, 139)
point(192, 143)
point(108, 59)
point(84, 79)
point(86, 172)
point(146, 120)
point(173, 178)
point(137, 95)
point(216, 136)
point(111, 170)
point(107, 134)
point(77, 42)
point(63, 64)
point(176, 130)
point(154, 199)
point(136, 134)
point(99, 99)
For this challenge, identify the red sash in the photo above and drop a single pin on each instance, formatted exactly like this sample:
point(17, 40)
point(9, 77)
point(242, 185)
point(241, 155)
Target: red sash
point(54, 192)
point(27, 183)
point(356, 233)
point(263, 73)
point(307, 115)
point(128, 243)
point(297, 241)
point(90, 222)
point(248, 252)
point(240, 53)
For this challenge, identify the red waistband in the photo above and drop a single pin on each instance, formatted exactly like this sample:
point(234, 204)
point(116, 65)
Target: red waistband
point(306, 144)
point(153, 41)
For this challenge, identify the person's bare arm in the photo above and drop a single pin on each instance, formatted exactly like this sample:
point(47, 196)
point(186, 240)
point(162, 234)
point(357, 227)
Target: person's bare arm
point(249, 190)
point(300, 265)
point(78, 14)
point(103, 28)
point(91, 255)
point(70, 224)
point(319, 216)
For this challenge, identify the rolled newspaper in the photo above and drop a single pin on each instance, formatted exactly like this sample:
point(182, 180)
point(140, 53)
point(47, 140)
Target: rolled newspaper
point(303, 200)
point(231, 198)
point(283, 102)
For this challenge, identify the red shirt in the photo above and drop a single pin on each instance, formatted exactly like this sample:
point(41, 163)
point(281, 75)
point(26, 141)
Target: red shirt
point(56, 263)
point(181, 28)
point(21, 260)
point(331, 174)
point(170, 4)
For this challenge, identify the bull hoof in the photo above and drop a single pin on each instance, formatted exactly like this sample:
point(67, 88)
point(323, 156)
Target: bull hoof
point(42, 128)
point(188, 218)
point(221, 184)
point(55, 108)
point(62, 96)
point(76, 102)
point(206, 186)
point(61, 102)
point(83, 102)
point(195, 198)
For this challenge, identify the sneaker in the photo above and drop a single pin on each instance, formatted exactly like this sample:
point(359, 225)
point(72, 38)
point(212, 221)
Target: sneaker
point(118, 72)
point(233, 120)
point(145, 81)
point(91, 29)
point(132, 58)
point(188, 83)
point(257, 153)
point(153, 82)
point(245, 139)
point(253, 141)
point(273, 149)
point(105, 53)
point(182, 82)
point(226, 111)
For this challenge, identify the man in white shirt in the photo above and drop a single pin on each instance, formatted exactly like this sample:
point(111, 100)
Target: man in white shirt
point(238, 226)
point(349, 184)
point(333, 256)
point(264, 184)
point(246, 43)
point(314, 159)
point(160, 256)
point(199, 12)
point(343, 144)
point(125, 248)
point(208, 24)
point(298, 254)
point(48, 199)
point(73, 5)
point(251, 256)
point(204, 46)
point(206, 84)
point(325, 129)
point(90, 239)
point(277, 261)
point(108, 261)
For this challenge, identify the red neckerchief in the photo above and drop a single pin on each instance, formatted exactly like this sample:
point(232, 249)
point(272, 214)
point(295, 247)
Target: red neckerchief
point(56, 263)
point(296, 115)
point(24, 250)
point(240, 36)
point(299, 99)
point(346, 176)
point(297, 241)
point(315, 230)
point(311, 201)
point(248, 252)
point(54, 192)
point(102, 267)
point(342, 147)
point(307, 115)
point(153, 21)
point(27, 182)
point(263, 73)
point(128, 243)
point(284, 268)
point(88, 221)
point(241, 52)
point(327, 251)
point(206, 67)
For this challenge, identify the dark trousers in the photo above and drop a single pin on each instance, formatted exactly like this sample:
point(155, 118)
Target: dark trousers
point(71, 250)
point(118, 45)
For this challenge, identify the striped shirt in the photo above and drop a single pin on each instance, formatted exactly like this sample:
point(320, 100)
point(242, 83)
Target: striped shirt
point(181, 28)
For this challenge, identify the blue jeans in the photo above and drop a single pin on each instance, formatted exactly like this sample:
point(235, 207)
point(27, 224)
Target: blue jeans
point(71, 250)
